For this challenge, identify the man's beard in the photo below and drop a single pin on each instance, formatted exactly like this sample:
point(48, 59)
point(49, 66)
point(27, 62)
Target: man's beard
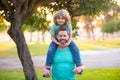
point(63, 41)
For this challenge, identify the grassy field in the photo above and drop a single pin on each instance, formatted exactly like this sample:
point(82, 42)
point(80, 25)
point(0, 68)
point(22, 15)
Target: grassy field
point(88, 74)
point(8, 49)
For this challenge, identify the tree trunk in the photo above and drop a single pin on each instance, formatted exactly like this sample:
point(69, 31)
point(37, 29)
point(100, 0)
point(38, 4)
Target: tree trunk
point(103, 36)
point(15, 32)
point(88, 32)
point(31, 36)
point(38, 38)
point(43, 37)
point(93, 35)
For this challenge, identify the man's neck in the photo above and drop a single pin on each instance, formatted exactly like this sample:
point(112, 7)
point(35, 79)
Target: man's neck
point(62, 47)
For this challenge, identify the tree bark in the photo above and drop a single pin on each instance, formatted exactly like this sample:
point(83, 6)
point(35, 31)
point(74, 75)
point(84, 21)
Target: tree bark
point(15, 32)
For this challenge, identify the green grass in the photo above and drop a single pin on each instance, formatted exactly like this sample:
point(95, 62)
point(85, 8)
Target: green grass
point(8, 49)
point(88, 74)
point(38, 48)
point(98, 44)
point(101, 74)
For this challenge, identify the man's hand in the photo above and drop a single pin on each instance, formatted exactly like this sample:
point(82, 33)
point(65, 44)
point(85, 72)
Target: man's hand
point(47, 72)
point(79, 69)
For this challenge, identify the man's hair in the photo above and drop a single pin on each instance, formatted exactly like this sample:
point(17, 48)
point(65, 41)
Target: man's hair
point(61, 29)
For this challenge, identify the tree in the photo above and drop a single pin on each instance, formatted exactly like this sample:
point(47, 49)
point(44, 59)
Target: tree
point(110, 26)
point(18, 11)
point(32, 24)
point(37, 22)
point(43, 23)
point(111, 20)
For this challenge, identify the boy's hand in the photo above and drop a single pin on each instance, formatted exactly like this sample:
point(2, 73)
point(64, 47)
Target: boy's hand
point(67, 44)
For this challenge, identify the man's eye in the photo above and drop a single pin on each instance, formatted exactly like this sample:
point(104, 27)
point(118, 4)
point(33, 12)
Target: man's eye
point(64, 35)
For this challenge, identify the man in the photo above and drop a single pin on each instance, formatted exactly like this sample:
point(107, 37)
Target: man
point(63, 67)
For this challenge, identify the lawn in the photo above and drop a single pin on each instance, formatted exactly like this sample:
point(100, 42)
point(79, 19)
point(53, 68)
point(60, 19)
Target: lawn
point(8, 49)
point(88, 74)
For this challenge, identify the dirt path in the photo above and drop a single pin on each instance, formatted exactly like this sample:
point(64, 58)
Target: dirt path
point(92, 59)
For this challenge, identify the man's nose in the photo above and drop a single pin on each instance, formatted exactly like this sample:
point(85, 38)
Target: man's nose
point(62, 37)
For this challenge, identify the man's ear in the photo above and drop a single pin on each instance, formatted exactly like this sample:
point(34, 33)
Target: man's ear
point(56, 36)
point(70, 36)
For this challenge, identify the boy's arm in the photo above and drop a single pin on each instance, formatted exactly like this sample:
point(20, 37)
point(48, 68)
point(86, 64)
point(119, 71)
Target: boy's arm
point(70, 39)
point(54, 40)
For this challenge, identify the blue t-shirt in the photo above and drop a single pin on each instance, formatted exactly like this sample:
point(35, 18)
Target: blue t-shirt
point(54, 28)
point(63, 65)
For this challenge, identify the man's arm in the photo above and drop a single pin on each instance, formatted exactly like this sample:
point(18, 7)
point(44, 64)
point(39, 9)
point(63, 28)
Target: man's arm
point(79, 69)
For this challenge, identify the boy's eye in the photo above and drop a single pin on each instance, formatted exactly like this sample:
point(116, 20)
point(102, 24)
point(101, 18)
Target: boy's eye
point(61, 18)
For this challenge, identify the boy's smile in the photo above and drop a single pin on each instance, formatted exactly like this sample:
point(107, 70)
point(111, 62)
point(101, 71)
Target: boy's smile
point(60, 21)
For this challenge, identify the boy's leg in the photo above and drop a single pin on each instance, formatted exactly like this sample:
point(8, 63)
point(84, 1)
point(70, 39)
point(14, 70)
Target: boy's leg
point(50, 54)
point(75, 52)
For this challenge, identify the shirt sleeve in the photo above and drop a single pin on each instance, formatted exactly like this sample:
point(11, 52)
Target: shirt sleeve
point(70, 29)
point(52, 30)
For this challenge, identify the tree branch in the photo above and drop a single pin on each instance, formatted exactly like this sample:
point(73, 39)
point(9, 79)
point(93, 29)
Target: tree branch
point(30, 7)
point(46, 2)
point(8, 9)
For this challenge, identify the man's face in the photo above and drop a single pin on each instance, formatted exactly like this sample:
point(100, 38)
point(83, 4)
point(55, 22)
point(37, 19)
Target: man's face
point(63, 37)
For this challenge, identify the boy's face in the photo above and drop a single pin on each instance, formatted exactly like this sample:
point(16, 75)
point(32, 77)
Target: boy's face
point(60, 21)
point(63, 37)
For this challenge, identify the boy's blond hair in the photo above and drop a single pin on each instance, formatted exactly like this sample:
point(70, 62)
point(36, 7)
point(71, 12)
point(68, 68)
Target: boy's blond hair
point(64, 13)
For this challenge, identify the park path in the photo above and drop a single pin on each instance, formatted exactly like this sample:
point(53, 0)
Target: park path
point(92, 59)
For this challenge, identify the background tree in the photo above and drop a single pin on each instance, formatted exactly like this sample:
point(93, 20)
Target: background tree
point(3, 25)
point(18, 11)
point(37, 22)
point(30, 25)
point(110, 27)
point(44, 23)
point(111, 20)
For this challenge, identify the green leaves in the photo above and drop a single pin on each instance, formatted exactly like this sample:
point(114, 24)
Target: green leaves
point(83, 7)
point(110, 27)
point(36, 22)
